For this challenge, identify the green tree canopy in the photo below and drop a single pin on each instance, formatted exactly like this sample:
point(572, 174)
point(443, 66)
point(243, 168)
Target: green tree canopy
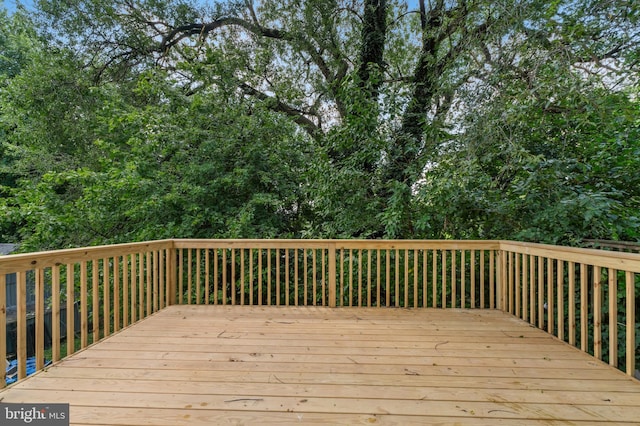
point(370, 118)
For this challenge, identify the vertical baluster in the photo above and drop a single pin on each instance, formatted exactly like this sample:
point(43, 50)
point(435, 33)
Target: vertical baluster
point(425, 277)
point(305, 265)
point(369, 299)
point(482, 281)
point(232, 279)
point(444, 279)
point(259, 277)
point(517, 284)
point(84, 308)
point(406, 279)
point(268, 276)
point(70, 310)
point(141, 287)
point(396, 296)
point(105, 298)
point(241, 276)
point(315, 276)
point(473, 279)
point(223, 283)
point(360, 277)
point(55, 314)
point(510, 286)
point(21, 322)
point(39, 319)
point(198, 276)
point(251, 302)
point(434, 278)
point(388, 277)
point(95, 294)
point(571, 298)
point(525, 288)
point(207, 276)
point(160, 269)
point(613, 317)
point(216, 277)
point(125, 290)
point(116, 293)
point(189, 275)
point(415, 278)
point(379, 277)
point(324, 277)
point(180, 274)
point(350, 277)
point(278, 294)
point(584, 337)
point(597, 312)
point(492, 280)
point(560, 291)
point(463, 279)
point(550, 298)
point(454, 279)
point(340, 277)
point(540, 292)
point(532, 290)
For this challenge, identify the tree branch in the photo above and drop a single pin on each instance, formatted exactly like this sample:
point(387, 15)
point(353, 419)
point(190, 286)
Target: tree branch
point(276, 105)
point(184, 31)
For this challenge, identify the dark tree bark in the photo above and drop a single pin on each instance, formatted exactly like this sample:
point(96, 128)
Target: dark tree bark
point(374, 32)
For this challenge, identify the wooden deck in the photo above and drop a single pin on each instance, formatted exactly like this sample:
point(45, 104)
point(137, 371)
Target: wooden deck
point(312, 365)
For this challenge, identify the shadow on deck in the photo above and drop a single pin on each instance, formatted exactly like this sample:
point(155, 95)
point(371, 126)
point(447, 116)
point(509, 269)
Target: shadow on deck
point(280, 365)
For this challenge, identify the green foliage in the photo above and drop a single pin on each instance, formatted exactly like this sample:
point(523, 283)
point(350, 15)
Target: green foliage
point(126, 121)
point(556, 167)
point(166, 170)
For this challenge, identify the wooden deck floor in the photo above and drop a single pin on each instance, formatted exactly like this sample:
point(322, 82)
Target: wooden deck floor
point(306, 365)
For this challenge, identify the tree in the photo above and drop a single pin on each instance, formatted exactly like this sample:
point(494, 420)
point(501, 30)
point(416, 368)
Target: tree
point(550, 155)
point(379, 108)
point(19, 43)
point(371, 83)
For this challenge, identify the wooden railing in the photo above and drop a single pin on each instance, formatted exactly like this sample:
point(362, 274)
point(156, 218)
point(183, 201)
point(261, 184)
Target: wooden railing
point(338, 273)
point(585, 297)
point(113, 286)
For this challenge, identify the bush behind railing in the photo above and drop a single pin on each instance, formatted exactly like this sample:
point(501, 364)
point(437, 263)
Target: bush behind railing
point(363, 277)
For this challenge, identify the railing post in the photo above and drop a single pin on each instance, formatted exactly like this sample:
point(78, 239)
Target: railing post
point(171, 279)
point(631, 321)
point(3, 327)
point(332, 275)
point(501, 276)
point(21, 324)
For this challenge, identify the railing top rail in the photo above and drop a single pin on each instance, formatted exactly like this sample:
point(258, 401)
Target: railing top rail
point(250, 243)
point(612, 259)
point(607, 259)
point(27, 261)
point(339, 244)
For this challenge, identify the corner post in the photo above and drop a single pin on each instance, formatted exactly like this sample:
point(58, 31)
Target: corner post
point(3, 327)
point(502, 280)
point(172, 260)
point(631, 320)
point(332, 275)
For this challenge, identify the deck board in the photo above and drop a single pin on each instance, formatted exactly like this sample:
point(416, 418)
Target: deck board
point(313, 365)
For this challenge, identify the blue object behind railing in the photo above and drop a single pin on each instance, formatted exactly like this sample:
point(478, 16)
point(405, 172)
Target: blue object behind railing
point(12, 369)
